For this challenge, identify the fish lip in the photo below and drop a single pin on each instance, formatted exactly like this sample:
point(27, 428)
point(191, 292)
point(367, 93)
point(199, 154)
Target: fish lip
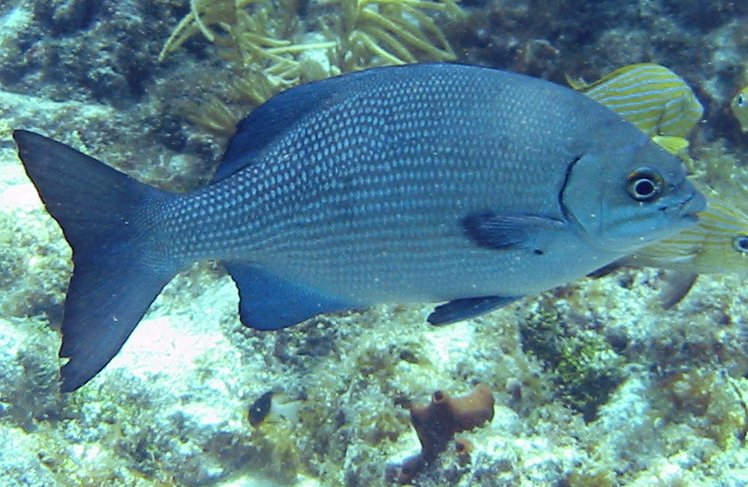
point(689, 207)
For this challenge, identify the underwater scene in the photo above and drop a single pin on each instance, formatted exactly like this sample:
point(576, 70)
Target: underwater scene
point(341, 243)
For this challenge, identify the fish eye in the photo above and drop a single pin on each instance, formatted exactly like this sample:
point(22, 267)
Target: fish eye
point(740, 243)
point(740, 100)
point(644, 184)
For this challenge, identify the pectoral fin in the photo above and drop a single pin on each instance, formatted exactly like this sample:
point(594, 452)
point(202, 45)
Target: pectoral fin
point(606, 270)
point(677, 285)
point(463, 309)
point(496, 231)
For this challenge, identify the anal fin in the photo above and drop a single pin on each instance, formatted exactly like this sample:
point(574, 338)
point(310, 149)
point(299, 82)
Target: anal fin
point(267, 302)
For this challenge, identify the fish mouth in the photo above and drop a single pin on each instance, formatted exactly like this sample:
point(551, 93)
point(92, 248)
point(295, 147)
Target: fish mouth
point(689, 207)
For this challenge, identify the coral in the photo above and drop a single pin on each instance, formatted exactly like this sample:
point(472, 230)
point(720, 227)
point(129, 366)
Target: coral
point(212, 115)
point(278, 453)
point(202, 14)
point(29, 372)
point(588, 372)
point(19, 465)
point(591, 477)
point(463, 448)
point(30, 252)
point(392, 32)
point(105, 47)
point(256, 32)
point(437, 422)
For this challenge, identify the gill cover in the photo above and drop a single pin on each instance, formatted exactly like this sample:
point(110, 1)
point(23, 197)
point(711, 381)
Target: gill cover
point(623, 198)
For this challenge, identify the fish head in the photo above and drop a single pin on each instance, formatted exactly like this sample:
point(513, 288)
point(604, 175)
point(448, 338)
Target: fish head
point(722, 238)
point(626, 195)
point(717, 245)
point(739, 107)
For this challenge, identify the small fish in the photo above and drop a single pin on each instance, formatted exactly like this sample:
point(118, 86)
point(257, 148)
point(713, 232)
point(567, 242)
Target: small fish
point(273, 407)
point(739, 106)
point(717, 244)
point(417, 183)
point(650, 96)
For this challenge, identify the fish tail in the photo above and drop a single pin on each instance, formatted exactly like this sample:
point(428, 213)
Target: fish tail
point(101, 212)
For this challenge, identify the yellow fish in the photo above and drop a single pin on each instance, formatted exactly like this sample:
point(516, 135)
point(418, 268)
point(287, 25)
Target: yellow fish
point(739, 106)
point(717, 244)
point(648, 95)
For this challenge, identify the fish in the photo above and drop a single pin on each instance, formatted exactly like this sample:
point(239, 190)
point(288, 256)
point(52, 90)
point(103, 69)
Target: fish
point(444, 183)
point(272, 407)
point(739, 107)
point(718, 244)
point(650, 96)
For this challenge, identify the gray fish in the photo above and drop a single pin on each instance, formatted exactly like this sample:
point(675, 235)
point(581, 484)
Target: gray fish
point(434, 182)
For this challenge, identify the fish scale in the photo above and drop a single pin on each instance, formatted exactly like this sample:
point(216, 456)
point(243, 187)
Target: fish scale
point(373, 180)
point(430, 182)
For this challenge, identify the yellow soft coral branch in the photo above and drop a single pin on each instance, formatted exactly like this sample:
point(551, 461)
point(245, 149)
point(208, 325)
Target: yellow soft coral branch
point(408, 33)
point(202, 13)
point(395, 31)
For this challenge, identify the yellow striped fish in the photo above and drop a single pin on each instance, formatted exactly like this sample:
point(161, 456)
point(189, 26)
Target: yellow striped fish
point(648, 95)
point(717, 244)
point(739, 106)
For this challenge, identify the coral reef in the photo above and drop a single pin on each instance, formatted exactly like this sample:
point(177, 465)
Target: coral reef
point(438, 422)
point(594, 384)
point(100, 50)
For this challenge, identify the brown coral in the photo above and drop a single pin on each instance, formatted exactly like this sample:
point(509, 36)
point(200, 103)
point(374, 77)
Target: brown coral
point(437, 422)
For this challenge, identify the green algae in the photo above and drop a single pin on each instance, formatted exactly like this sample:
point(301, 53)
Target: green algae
point(586, 368)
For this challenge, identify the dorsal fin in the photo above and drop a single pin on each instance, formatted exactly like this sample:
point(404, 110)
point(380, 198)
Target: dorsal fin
point(271, 119)
point(585, 87)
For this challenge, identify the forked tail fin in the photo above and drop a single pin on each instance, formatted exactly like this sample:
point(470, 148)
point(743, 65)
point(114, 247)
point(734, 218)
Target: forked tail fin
point(101, 212)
